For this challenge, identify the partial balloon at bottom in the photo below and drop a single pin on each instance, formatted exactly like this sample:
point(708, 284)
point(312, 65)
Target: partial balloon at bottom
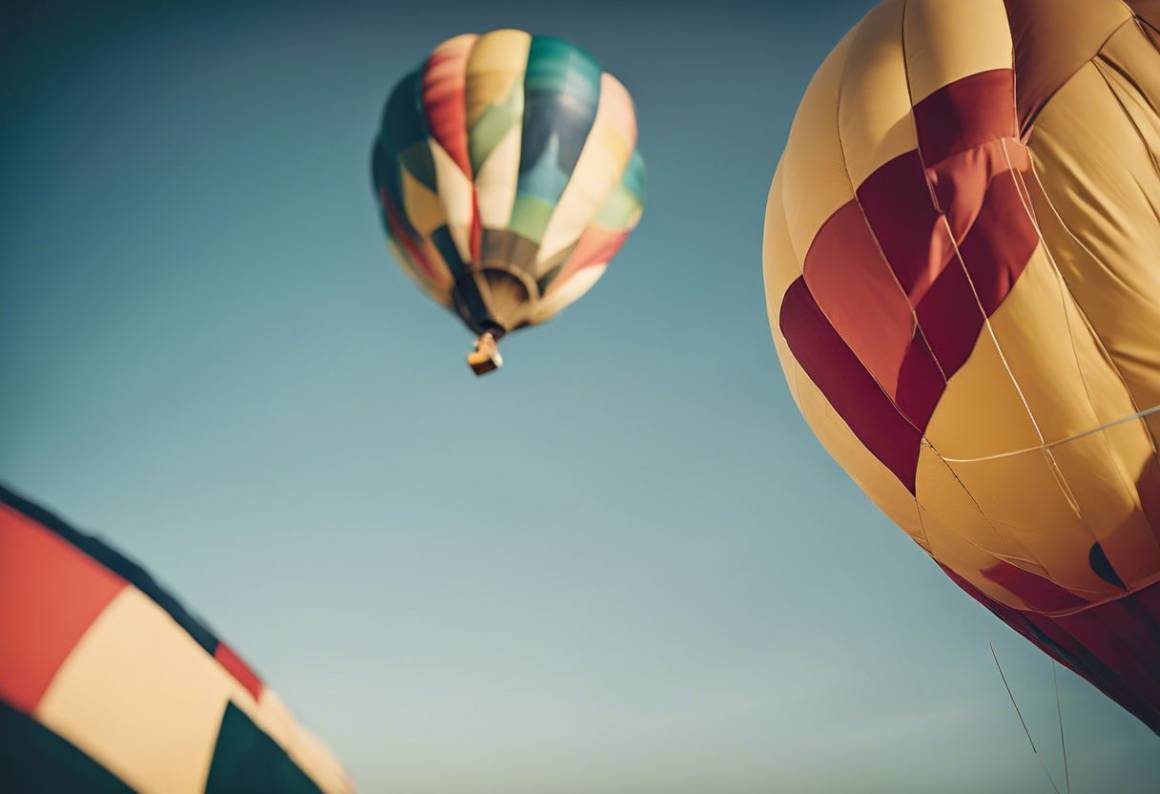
point(108, 684)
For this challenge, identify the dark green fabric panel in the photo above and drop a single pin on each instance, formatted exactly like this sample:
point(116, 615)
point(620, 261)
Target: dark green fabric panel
point(34, 759)
point(246, 760)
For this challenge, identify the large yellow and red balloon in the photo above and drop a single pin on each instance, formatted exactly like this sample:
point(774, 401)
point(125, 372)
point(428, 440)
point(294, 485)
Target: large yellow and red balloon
point(962, 272)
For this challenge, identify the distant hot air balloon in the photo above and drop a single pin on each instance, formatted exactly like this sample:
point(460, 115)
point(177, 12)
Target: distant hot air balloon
point(962, 273)
point(108, 684)
point(507, 178)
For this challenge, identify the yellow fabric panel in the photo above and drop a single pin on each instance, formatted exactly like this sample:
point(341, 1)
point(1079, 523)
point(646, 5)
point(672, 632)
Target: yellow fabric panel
point(949, 509)
point(495, 66)
point(874, 111)
point(947, 40)
point(1126, 451)
point(1131, 66)
point(981, 384)
point(955, 548)
point(598, 170)
point(1042, 349)
point(1099, 204)
point(982, 413)
point(142, 698)
point(779, 264)
point(813, 167)
point(456, 195)
point(424, 210)
point(496, 182)
point(1022, 496)
point(572, 290)
point(1106, 492)
point(1071, 389)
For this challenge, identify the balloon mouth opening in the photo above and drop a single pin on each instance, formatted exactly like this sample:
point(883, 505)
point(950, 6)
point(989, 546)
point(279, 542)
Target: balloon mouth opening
point(488, 298)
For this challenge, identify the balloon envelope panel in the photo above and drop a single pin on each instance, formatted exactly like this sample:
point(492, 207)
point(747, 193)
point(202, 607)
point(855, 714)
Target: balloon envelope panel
point(507, 176)
point(962, 287)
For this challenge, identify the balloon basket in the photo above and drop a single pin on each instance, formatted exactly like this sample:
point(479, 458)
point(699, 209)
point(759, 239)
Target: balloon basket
point(481, 365)
point(485, 358)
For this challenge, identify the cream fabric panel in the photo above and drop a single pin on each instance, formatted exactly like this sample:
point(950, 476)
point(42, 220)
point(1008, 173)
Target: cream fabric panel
point(457, 195)
point(142, 698)
point(497, 180)
point(598, 170)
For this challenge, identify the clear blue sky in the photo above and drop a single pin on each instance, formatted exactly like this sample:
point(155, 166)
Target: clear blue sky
point(622, 564)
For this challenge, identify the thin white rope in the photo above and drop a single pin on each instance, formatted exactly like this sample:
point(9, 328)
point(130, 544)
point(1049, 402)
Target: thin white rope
point(1062, 740)
point(1026, 731)
point(1050, 444)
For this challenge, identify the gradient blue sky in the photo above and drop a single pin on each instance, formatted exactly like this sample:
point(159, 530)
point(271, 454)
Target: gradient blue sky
point(622, 564)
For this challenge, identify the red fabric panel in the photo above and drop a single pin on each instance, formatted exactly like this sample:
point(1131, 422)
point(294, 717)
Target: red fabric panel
point(50, 593)
point(984, 207)
point(1148, 10)
point(847, 385)
point(1113, 645)
point(960, 182)
point(920, 383)
point(966, 113)
point(899, 207)
point(1000, 243)
point(859, 295)
point(1123, 641)
point(445, 103)
point(238, 669)
point(950, 318)
point(1039, 593)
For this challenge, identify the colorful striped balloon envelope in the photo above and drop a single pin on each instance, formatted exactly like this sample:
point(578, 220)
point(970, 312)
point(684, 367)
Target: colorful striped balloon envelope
point(507, 178)
point(109, 684)
point(962, 273)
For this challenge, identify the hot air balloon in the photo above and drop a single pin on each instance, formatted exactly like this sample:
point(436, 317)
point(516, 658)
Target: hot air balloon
point(962, 275)
point(108, 684)
point(507, 178)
